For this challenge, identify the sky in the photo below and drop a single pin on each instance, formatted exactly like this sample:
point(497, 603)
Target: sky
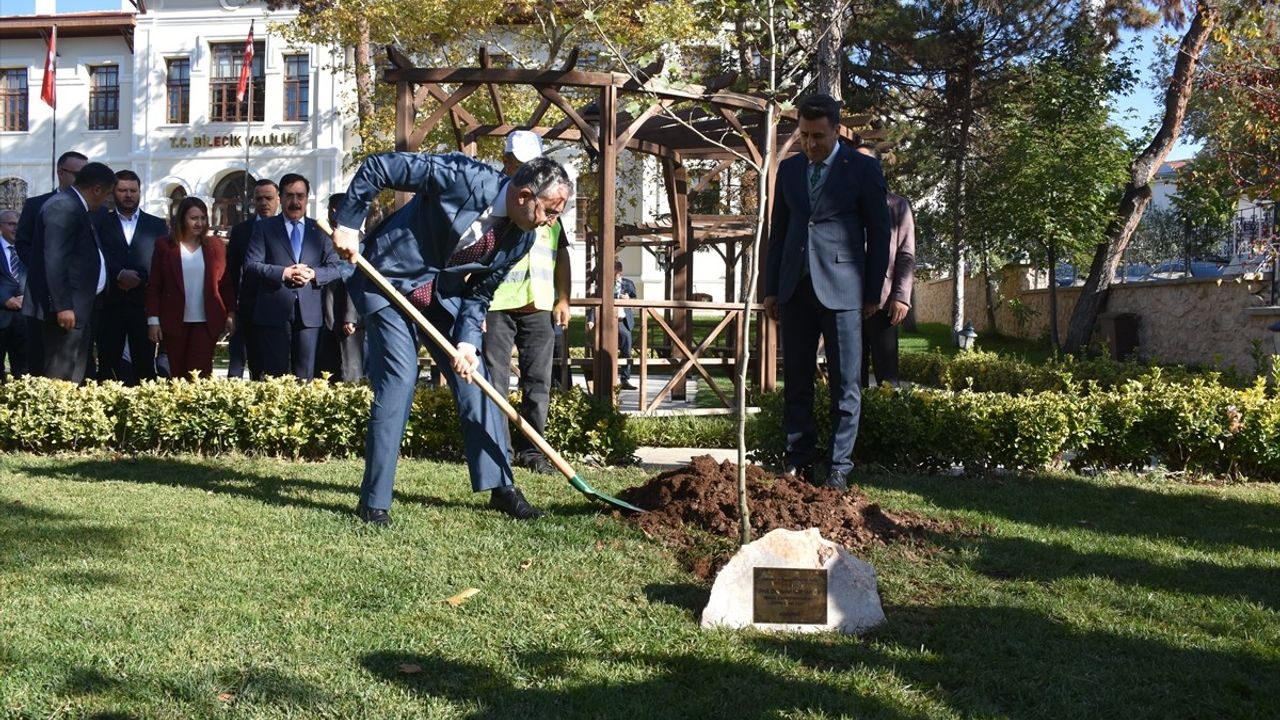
point(1133, 111)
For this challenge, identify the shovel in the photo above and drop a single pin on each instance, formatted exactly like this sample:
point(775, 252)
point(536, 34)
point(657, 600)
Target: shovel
point(498, 398)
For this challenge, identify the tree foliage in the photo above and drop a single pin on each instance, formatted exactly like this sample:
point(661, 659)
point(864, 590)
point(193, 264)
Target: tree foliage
point(1045, 187)
point(1236, 107)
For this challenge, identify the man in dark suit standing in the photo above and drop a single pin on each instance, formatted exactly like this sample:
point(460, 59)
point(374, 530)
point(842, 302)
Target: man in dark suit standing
point(129, 235)
point(827, 255)
point(880, 331)
point(13, 283)
point(243, 347)
point(69, 164)
point(447, 249)
point(291, 261)
point(68, 272)
point(341, 351)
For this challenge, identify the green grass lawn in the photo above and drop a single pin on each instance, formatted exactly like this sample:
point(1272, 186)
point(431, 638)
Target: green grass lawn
point(937, 336)
point(242, 588)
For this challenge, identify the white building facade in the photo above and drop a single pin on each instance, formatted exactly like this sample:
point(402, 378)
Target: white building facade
point(155, 92)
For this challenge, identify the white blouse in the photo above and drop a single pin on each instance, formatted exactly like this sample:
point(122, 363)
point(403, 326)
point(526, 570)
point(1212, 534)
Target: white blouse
point(193, 284)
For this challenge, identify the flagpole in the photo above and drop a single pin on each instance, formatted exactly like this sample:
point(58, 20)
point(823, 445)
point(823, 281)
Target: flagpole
point(51, 59)
point(248, 118)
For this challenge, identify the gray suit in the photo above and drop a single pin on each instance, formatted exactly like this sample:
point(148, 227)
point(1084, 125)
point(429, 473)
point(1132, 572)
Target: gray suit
point(63, 275)
point(879, 336)
point(825, 259)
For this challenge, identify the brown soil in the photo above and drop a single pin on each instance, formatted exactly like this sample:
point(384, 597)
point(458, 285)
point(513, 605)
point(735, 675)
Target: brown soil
point(689, 503)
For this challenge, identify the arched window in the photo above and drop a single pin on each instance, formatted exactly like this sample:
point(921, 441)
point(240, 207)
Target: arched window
point(176, 195)
point(230, 204)
point(13, 192)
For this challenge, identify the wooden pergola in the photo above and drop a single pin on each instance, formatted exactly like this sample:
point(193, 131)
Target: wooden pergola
point(617, 112)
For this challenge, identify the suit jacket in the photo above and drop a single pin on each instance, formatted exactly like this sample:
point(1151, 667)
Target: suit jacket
point(337, 305)
point(237, 246)
point(123, 255)
point(413, 245)
point(842, 241)
point(166, 290)
point(27, 225)
point(902, 253)
point(266, 258)
point(11, 286)
point(64, 266)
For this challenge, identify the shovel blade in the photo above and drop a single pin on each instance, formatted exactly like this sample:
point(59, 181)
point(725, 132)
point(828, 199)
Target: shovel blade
point(581, 486)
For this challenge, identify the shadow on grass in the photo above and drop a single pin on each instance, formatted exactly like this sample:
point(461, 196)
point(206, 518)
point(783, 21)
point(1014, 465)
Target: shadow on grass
point(1066, 503)
point(31, 535)
point(1011, 662)
point(686, 596)
point(210, 476)
point(1022, 559)
point(679, 686)
point(247, 686)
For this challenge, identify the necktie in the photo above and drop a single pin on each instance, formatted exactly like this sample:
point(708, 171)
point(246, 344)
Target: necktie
point(15, 263)
point(815, 180)
point(422, 295)
point(295, 239)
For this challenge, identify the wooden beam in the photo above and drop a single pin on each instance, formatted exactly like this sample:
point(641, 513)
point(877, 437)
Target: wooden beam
point(420, 132)
point(625, 136)
point(493, 91)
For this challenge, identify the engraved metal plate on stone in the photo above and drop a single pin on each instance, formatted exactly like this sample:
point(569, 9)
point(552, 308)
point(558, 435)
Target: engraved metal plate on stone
point(795, 596)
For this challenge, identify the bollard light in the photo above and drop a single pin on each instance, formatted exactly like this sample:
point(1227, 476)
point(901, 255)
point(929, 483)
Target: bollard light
point(965, 337)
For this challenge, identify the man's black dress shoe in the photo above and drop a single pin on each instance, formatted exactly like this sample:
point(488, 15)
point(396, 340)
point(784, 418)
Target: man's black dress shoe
point(510, 500)
point(539, 464)
point(626, 385)
point(373, 516)
point(836, 481)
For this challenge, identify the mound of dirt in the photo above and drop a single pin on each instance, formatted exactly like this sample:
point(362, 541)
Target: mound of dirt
point(689, 503)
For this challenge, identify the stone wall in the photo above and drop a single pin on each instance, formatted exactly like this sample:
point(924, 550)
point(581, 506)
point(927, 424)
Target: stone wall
point(1197, 321)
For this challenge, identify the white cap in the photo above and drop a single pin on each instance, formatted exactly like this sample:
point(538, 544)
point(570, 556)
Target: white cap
point(524, 145)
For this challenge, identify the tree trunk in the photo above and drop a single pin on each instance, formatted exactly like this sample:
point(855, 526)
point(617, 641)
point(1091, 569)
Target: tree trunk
point(1137, 194)
point(829, 23)
point(958, 229)
point(1052, 254)
point(364, 76)
point(988, 288)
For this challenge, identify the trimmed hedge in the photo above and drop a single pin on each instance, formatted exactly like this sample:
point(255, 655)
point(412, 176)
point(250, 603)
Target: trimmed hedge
point(278, 417)
point(1193, 425)
point(991, 372)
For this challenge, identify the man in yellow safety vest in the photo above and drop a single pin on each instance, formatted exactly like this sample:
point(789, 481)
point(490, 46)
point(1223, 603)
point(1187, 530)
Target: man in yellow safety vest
point(532, 299)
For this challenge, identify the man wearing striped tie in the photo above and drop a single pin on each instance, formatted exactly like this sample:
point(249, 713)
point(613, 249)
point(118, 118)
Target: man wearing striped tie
point(13, 284)
point(447, 249)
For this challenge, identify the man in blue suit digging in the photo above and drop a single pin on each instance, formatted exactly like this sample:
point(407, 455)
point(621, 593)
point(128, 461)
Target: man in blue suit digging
point(447, 249)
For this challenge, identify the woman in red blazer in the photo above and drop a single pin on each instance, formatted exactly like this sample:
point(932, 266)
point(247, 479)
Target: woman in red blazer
point(191, 299)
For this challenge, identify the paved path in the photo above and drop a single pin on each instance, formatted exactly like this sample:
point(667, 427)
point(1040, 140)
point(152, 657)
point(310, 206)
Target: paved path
point(655, 458)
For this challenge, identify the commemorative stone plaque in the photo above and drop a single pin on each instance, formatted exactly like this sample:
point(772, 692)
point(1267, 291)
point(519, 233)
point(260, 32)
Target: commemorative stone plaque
point(789, 595)
point(795, 581)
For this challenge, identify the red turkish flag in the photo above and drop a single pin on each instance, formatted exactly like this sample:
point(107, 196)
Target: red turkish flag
point(246, 67)
point(49, 88)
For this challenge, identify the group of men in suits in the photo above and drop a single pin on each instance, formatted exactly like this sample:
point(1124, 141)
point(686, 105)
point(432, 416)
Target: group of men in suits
point(54, 310)
point(79, 273)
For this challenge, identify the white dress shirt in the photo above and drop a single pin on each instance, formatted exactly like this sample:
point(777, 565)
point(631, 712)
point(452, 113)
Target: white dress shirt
point(102, 261)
